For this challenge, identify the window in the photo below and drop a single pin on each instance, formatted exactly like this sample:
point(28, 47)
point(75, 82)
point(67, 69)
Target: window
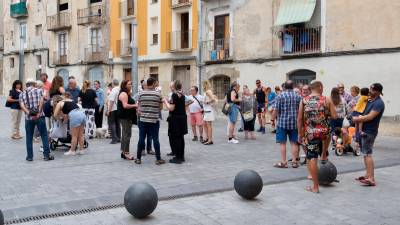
point(154, 72)
point(95, 39)
point(220, 85)
point(154, 1)
point(63, 6)
point(39, 60)
point(23, 34)
point(38, 30)
point(154, 30)
point(62, 44)
point(11, 62)
point(95, 1)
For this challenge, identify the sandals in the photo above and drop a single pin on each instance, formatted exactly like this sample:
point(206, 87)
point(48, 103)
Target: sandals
point(360, 178)
point(282, 165)
point(310, 189)
point(204, 141)
point(208, 143)
point(295, 164)
point(126, 156)
point(368, 182)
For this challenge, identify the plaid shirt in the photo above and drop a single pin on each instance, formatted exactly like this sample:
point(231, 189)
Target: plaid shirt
point(35, 96)
point(287, 106)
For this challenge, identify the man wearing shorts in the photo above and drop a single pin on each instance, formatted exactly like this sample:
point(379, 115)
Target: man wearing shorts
point(371, 118)
point(285, 111)
point(313, 128)
point(262, 100)
point(196, 113)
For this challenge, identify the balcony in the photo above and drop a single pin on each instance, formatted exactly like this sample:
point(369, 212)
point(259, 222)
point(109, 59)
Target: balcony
point(95, 54)
point(93, 15)
point(60, 21)
point(60, 59)
point(180, 41)
point(180, 3)
point(18, 10)
point(216, 50)
point(300, 41)
point(127, 10)
point(125, 47)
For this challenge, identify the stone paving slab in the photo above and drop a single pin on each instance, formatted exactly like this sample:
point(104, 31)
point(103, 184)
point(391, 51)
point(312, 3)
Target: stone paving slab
point(101, 177)
point(344, 203)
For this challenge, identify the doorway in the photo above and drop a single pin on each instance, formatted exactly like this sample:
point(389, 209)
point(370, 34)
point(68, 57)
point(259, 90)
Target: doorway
point(184, 30)
point(182, 73)
point(127, 74)
point(302, 76)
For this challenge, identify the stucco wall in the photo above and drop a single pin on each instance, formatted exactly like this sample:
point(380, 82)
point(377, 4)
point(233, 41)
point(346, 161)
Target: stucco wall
point(360, 70)
point(353, 25)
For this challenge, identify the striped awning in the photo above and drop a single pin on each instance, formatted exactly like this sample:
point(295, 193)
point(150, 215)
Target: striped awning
point(295, 11)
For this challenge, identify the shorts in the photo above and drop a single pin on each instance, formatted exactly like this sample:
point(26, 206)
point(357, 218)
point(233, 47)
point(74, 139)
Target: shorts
point(233, 114)
point(282, 134)
point(77, 118)
point(313, 149)
point(260, 107)
point(196, 119)
point(367, 143)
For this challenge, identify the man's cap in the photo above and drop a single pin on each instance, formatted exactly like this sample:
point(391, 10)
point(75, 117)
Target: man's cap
point(377, 87)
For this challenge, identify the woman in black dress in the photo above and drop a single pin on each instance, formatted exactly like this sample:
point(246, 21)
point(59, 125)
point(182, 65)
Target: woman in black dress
point(177, 123)
point(88, 99)
point(126, 111)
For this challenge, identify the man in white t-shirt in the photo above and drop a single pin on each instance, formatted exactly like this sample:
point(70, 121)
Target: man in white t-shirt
point(196, 112)
point(113, 120)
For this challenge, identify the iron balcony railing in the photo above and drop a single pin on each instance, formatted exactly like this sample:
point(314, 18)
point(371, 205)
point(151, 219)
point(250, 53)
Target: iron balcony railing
point(127, 9)
point(93, 14)
point(125, 47)
point(298, 41)
point(95, 53)
point(216, 50)
point(180, 3)
point(180, 40)
point(60, 21)
point(60, 59)
point(18, 10)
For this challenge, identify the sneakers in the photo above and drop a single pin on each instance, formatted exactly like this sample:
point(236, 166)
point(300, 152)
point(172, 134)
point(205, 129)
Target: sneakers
point(70, 153)
point(195, 138)
point(233, 141)
point(175, 161)
point(41, 149)
point(240, 130)
point(263, 130)
point(81, 152)
point(151, 152)
point(48, 158)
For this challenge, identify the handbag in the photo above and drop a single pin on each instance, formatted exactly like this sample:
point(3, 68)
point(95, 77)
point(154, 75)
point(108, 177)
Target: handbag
point(226, 109)
point(346, 122)
point(248, 116)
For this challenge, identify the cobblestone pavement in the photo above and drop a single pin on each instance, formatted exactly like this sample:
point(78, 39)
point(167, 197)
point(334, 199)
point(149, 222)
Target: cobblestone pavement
point(100, 177)
point(344, 203)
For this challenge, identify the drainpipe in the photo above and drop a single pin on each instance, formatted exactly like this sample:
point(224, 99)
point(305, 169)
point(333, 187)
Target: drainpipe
point(200, 44)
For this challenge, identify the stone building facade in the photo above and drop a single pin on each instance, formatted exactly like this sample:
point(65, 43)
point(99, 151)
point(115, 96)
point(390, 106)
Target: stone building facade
point(63, 37)
point(275, 40)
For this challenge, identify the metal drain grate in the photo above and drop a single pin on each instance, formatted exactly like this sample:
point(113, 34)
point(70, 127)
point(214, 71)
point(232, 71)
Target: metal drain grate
point(62, 214)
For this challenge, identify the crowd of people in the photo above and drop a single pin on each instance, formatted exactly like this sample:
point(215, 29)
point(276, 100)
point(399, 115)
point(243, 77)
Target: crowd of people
point(300, 113)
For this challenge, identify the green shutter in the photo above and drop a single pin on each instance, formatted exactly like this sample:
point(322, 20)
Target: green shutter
point(295, 11)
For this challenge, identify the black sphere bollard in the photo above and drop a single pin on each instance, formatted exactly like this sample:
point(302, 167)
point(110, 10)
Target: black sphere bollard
point(140, 200)
point(327, 172)
point(1, 218)
point(248, 184)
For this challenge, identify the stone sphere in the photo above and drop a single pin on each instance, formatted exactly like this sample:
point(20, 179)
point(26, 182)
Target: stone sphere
point(248, 184)
point(327, 172)
point(140, 200)
point(1, 218)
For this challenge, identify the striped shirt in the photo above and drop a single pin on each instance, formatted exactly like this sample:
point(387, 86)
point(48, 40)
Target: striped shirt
point(149, 106)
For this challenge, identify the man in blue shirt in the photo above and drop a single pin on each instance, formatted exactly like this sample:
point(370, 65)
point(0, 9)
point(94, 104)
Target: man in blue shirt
point(73, 89)
point(285, 110)
point(371, 118)
point(99, 111)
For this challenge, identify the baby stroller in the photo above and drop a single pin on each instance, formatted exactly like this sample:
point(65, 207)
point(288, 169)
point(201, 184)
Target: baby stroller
point(60, 136)
point(342, 140)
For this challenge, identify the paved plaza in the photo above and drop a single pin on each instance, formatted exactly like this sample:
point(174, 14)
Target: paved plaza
point(100, 178)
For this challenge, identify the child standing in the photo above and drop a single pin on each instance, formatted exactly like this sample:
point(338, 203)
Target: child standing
point(359, 110)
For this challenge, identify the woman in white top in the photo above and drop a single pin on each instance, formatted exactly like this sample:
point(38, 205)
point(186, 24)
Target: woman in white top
point(209, 113)
point(340, 106)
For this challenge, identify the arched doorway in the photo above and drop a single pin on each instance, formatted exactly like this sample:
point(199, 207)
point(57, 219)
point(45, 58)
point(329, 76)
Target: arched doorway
point(220, 85)
point(64, 73)
point(302, 76)
point(96, 73)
